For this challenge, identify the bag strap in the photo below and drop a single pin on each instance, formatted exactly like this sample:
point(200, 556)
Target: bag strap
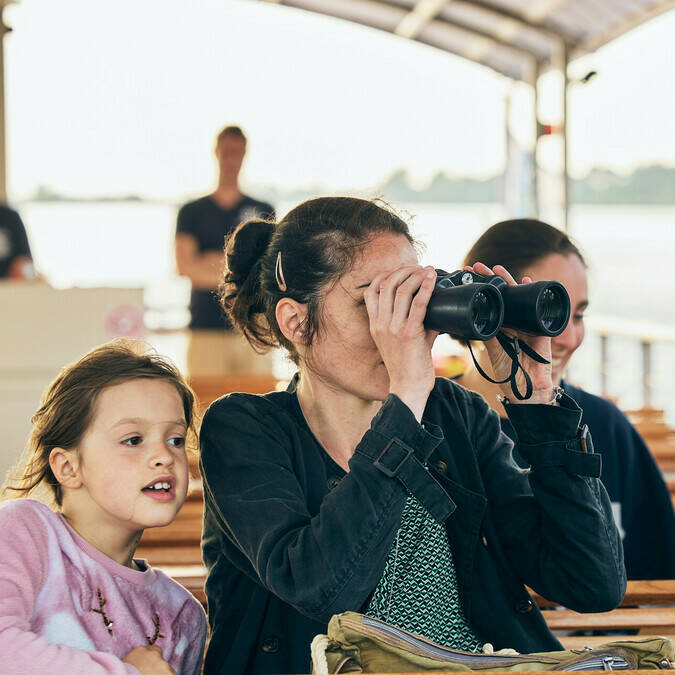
point(318, 650)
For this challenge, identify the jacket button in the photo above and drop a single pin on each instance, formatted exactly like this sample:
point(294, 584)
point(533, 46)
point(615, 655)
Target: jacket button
point(484, 541)
point(524, 606)
point(441, 466)
point(332, 482)
point(271, 644)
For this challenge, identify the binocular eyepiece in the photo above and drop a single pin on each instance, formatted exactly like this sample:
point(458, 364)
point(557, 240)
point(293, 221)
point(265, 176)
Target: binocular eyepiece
point(471, 306)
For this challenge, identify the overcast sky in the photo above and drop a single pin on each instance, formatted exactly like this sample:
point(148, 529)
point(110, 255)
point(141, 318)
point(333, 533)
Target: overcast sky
point(126, 96)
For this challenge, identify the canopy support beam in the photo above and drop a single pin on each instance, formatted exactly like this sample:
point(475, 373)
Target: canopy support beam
point(4, 29)
point(564, 57)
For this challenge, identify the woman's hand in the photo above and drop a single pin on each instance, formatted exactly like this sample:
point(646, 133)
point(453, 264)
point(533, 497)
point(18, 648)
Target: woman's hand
point(540, 373)
point(397, 304)
point(149, 660)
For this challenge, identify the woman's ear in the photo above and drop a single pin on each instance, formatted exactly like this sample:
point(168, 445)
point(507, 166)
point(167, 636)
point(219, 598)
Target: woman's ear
point(291, 315)
point(65, 466)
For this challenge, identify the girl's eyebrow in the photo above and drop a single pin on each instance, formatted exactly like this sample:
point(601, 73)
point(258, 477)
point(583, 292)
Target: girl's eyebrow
point(136, 420)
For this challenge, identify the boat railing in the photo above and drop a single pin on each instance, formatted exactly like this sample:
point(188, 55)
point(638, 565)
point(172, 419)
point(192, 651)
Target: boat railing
point(646, 333)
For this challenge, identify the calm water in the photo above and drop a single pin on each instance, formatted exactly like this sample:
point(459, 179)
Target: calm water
point(629, 250)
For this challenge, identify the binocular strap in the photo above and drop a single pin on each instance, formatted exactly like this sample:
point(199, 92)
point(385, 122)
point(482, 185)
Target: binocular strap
point(513, 347)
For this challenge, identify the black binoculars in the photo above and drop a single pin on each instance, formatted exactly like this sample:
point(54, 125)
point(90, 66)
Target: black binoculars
point(471, 306)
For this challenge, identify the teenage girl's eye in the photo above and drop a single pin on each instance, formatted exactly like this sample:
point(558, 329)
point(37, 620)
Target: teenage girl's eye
point(578, 317)
point(132, 440)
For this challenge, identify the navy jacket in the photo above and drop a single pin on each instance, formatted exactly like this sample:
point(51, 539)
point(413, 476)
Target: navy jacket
point(639, 495)
point(290, 539)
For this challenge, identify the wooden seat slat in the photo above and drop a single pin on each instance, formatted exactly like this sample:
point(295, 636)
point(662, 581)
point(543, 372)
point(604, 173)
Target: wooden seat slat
point(649, 592)
point(662, 449)
point(646, 617)
point(160, 556)
point(637, 415)
point(208, 388)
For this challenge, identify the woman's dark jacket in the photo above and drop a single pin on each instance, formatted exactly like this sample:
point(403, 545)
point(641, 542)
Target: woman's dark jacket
point(290, 539)
point(639, 495)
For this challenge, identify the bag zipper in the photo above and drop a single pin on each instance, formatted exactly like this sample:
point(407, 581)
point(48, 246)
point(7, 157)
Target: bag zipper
point(375, 627)
point(598, 662)
point(428, 648)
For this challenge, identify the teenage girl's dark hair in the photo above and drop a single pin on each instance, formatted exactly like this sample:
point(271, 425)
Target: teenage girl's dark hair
point(68, 405)
point(518, 244)
point(318, 242)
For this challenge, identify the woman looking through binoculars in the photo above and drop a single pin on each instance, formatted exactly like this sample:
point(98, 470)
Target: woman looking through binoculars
point(369, 484)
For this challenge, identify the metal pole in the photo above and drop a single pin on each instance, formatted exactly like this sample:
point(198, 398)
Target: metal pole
point(507, 160)
point(4, 29)
point(565, 181)
point(646, 373)
point(537, 135)
point(604, 363)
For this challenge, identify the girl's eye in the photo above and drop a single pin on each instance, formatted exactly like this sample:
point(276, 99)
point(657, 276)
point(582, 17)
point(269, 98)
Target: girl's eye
point(578, 317)
point(177, 441)
point(133, 440)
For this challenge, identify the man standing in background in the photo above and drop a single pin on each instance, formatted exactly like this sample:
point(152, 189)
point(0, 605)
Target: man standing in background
point(214, 348)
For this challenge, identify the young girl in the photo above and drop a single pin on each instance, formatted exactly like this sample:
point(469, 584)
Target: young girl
point(108, 451)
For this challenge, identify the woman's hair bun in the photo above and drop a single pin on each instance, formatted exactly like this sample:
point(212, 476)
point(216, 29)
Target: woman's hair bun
point(246, 246)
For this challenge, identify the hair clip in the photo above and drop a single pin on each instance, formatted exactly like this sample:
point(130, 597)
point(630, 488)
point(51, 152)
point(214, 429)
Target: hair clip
point(279, 273)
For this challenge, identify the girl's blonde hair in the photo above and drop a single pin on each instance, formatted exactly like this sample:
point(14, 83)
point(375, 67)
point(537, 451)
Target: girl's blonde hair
point(67, 409)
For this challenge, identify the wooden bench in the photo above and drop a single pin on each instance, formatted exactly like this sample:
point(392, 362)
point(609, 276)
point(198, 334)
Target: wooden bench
point(663, 451)
point(208, 388)
point(648, 607)
point(650, 423)
point(648, 414)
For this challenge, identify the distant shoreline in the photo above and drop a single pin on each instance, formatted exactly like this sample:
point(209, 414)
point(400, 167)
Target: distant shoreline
point(649, 185)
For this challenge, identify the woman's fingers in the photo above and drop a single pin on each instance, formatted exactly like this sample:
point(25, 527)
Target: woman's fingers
point(412, 296)
point(502, 272)
point(418, 305)
point(389, 294)
point(389, 290)
point(498, 270)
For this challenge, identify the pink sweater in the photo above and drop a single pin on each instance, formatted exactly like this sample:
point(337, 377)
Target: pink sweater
point(65, 607)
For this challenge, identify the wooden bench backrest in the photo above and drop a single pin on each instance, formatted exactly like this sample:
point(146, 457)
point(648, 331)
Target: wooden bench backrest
point(210, 387)
point(648, 607)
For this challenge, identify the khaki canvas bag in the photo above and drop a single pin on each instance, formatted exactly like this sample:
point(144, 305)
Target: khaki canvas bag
point(360, 644)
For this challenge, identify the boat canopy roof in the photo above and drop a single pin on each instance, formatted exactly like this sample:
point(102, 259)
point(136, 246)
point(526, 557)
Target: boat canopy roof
point(517, 38)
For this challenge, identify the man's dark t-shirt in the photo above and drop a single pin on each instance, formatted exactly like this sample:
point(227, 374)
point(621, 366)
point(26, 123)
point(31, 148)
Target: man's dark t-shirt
point(209, 224)
point(13, 239)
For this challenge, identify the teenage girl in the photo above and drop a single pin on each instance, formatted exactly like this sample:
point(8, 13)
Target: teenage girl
point(108, 454)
